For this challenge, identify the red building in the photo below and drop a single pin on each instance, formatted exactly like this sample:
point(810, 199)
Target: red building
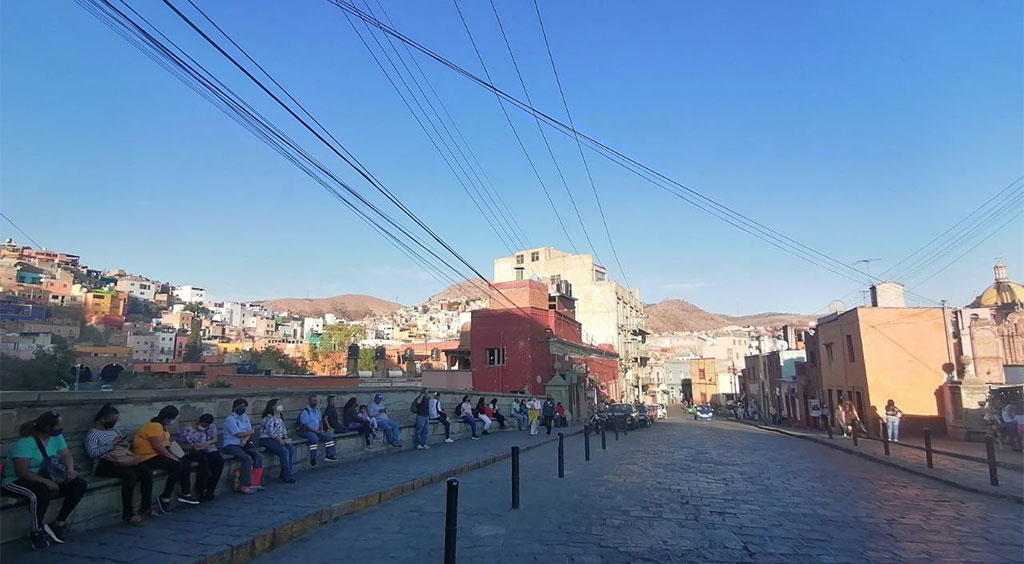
point(530, 341)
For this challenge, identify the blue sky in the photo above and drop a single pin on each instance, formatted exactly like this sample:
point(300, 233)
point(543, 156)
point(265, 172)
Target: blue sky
point(861, 129)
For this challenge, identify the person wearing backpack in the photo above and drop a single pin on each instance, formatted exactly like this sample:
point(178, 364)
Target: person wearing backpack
point(39, 466)
point(309, 425)
point(421, 407)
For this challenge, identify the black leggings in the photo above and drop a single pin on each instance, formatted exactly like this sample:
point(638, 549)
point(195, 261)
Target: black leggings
point(500, 419)
point(175, 471)
point(209, 466)
point(129, 476)
point(38, 496)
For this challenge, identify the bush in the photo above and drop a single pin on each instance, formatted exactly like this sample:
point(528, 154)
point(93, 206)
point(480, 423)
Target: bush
point(219, 384)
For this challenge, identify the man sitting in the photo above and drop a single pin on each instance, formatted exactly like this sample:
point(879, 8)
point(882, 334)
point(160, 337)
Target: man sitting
point(379, 414)
point(309, 428)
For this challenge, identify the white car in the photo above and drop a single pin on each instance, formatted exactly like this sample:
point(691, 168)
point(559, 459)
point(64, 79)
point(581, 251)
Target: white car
point(660, 411)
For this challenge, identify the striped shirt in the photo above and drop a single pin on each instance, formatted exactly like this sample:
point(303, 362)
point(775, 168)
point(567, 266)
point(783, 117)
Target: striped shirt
point(99, 442)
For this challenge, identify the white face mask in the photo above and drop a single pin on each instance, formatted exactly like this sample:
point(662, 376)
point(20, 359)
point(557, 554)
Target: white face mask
point(279, 408)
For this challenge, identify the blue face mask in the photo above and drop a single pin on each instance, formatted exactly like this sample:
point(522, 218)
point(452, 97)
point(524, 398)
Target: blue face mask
point(240, 411)
point(56, 432)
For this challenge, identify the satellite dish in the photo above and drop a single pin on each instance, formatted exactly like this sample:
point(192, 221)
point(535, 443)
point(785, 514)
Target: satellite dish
point(836, 306)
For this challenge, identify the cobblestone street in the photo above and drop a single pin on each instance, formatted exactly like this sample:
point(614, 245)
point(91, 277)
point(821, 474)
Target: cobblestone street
point(684, 491)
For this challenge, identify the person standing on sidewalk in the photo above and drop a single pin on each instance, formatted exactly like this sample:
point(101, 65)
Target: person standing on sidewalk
point(438, 413)
point(892, 420)
point(548, 411)
point(533, 415)
point(310, 428)
point(421, 406)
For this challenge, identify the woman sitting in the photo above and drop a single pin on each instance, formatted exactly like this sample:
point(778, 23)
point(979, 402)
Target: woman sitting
point(350, 420)
point(108, 448)
point(199, 441)
point(33, 472)
point(497, 415)
point(484, 412)
point(152, 445)
point(274, 438)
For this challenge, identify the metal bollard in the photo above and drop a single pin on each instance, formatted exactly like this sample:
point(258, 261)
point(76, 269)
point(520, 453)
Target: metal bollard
point(990, 452)
point(604, 438)
point(586, 442)
point(561, 455)
point(515, 477)
point(451, 520)
point(928, 447)
point(885, 437)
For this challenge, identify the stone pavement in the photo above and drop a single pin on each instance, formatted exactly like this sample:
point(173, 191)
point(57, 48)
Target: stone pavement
point(965, 474)
point(683, 491)
point(235, 527)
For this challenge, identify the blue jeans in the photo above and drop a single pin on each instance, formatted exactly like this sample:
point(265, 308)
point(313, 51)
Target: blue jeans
point(314, 440)
point(471, 422)
point(422, 429)
point(520, 421)
point(285, 452)
point(248, 458)
point(893, 423)
point(390, 429)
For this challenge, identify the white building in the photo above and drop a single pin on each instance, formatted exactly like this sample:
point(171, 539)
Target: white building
point(312, 325)
point(138, 287)
point(189, 294)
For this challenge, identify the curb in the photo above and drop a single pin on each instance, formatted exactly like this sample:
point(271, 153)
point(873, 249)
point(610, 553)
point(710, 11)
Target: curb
point(270, 539)
point(889, 463)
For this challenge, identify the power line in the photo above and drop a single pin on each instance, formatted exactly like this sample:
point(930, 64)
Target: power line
point(22, 231)
point(579, 146)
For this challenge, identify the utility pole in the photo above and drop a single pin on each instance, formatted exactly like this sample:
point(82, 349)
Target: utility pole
point(949, 341)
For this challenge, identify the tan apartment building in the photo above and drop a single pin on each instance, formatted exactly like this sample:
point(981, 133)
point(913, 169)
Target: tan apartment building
point(873, 354)
point(610, 313)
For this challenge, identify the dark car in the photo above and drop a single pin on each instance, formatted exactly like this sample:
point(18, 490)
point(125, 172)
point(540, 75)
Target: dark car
point(644, 418)
point(623, 415)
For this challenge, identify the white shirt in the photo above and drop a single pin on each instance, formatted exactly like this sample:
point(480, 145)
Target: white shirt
point(432, 406)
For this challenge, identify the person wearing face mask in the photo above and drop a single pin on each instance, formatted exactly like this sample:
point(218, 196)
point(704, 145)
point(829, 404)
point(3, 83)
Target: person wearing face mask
point(237, 441)
point(101, 443)
point(274, 438)
point(199, 440)
point(30, 474)
point(310, 425)
point(151, 444)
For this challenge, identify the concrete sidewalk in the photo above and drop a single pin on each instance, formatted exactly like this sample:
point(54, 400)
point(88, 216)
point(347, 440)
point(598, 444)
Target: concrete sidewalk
point(236, 528)
point(969, 475)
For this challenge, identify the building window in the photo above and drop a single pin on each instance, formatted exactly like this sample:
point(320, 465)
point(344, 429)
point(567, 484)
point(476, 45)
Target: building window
point(519, 259)
point(496, 357)
point(828, 352)
point(701, 374)
point(600, 276)
point(555, 279)
point(849, 349)
point(519, 274)
point(535, 256)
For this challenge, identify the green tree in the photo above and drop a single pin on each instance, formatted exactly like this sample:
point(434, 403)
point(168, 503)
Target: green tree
point(288, 365)
point(46, 370)
point(219, 384)
point(193, 352)
point(196, 308)
point(366, 361)
point(337, 337)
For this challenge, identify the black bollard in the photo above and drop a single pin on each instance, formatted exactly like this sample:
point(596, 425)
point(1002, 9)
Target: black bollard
point(561, 455)
point(451, 520)
point(990, 452)
point(928, 447)
point(604, 439)
point(586, 442)
point(515, 477)
point(885, 437)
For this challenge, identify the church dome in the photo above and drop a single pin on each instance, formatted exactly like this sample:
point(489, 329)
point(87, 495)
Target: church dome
point(1002, 292)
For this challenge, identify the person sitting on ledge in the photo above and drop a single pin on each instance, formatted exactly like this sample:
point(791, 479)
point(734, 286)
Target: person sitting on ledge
point(199, 440)
point(465, 412)
point(379, 414)
point(310, 428)
point(274, 438)
point(108, 448)
point(237, 439)
point(352, 422)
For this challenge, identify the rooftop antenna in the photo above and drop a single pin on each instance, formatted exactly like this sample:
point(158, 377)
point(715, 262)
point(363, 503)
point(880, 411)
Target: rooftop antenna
point(867, 265)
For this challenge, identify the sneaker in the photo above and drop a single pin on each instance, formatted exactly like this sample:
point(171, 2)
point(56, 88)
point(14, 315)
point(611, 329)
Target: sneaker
point(331, 458)
point(40, 540)
point(247, 490)
point(312, 462)
point(399, 445)
point(474, 437)
point(188, 499)
point(426, 447)
point(134, 520)
point(449, 441)
point(163, 505)
point(419, 447)
point(56, 532)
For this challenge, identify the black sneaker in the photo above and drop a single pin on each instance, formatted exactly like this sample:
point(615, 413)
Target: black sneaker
point(312, 462)
point(163, 505)
point(191, 500)
point(40, 540)
point(56, 532)
point(331, 458)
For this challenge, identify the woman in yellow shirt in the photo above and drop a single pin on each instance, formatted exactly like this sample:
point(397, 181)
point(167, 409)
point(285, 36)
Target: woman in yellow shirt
point(150, 445)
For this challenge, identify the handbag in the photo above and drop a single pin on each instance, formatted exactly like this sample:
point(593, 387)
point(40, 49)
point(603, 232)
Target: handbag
point(53, 467)
point(122, 456)
point(175, 449)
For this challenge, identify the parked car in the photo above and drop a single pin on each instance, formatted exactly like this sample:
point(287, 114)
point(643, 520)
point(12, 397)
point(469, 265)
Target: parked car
point(659, 410)
point(703, 413)
point(643, 416)
point(624, 415)
point(690, 409)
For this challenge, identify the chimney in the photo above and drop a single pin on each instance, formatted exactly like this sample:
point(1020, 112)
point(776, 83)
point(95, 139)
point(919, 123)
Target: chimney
point(887, 294)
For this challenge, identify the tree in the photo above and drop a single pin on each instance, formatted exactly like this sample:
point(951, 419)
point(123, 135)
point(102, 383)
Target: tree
point(46, 370)
point(337, 337)
point(196, 308)
point(366, 360)
point(289, 365)
point(193, 352)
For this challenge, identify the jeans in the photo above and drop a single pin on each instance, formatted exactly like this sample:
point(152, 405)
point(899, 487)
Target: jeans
point(209, 467)
point(486, 421)
point(468, 419)
point(548, 419)
point(129, 476)
point(38, 497)
point(893, 423)
point(175, 471)
point(314, 442)
point(443, 419)
point(249, 457)
point(520, 421)
point(422, 429)
point(390, 429)
point(285, 453)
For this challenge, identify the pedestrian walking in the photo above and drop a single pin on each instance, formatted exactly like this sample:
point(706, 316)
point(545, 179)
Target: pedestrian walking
point(892, 420)
point(533, 415)
point(548, 412)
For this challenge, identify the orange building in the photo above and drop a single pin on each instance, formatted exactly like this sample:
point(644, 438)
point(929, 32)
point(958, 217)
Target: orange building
point(703, 379)
point(873, 354)
point(104, 303)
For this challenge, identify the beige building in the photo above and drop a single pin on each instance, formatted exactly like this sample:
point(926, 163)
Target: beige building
point(610, 314)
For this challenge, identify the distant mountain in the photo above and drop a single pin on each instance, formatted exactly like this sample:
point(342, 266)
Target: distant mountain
point(680, 315)
point(349, 306)
point(465, 290)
